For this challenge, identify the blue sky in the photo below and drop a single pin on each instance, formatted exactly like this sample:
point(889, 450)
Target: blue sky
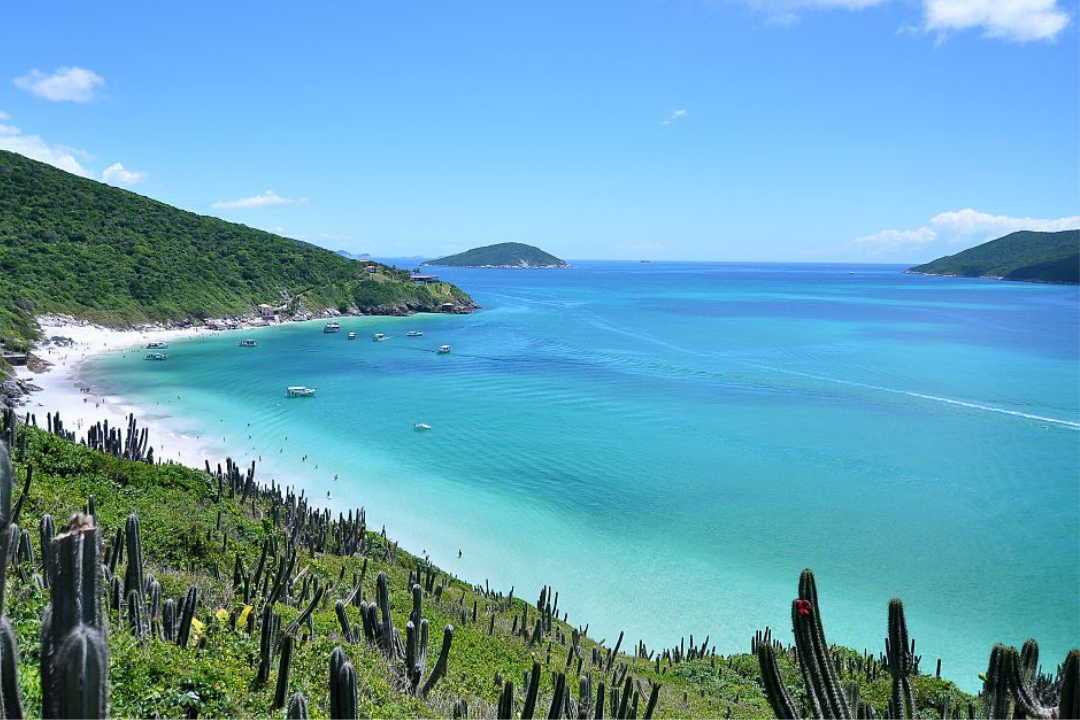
point(783, 130)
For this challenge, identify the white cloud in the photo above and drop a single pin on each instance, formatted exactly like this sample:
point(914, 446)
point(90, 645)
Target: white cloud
point(675, 115)
point(950, 232)
point(117, 174)
point(66, 84)
point(33, 147)
point(267, 199)
point(1014, 20)
point(4, 115)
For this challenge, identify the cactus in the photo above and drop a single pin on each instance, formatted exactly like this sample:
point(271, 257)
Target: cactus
point(1069, 701)
point(186, 617)
point(819, 676)
point(775, 691)
point(506, 702)
point(901, 662)
point(136, 620)
point(284, 668)
point(10, 702)
point(46, 531)
point(654, 695)
point(533, 681)
point(995, 694)
point(266, 644)
point(342, 686)
point(74, 648)
point(557, 699)
point(298, 709)
point(133, 578)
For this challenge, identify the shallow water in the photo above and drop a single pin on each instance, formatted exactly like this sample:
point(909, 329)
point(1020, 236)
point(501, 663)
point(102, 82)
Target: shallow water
point(669, 444)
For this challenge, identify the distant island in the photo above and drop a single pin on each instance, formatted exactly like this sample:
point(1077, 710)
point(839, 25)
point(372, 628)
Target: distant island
point(502, 255)
point(1051, 257)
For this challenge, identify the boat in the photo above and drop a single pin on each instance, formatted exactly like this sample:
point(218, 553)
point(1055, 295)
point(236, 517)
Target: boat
point(156, 356)
point(379, 337)
point(352, 336)
point(157, 345)
point(332, 327)
point(421, 426)
point(413, 333)
point(443, 349)
point(300, 391)
point(248, 342)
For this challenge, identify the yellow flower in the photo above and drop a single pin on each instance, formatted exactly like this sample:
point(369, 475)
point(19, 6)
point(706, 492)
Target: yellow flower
point(222, 615)
point(244, 614)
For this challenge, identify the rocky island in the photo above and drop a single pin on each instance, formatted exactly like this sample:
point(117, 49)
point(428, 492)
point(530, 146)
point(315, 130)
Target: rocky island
point(502, 255)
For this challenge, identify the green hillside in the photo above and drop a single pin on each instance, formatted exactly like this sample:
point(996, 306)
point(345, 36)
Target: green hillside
point(72, 245)
point(1026, 255)
point(501, 255)
point(231, 607)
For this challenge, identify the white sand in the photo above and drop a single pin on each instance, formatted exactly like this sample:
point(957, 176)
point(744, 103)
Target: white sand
point(80, 406)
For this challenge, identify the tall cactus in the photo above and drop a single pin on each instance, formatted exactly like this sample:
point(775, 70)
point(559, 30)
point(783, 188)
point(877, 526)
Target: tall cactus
point(298, 709)
point(1069, 702)
point(827, 698)
point(901, 659)
point(74, 647)
point(284, 669)
point(133, 578)
point(10, 702)
point(342, 687)
point(46, 531)
point(775, 690)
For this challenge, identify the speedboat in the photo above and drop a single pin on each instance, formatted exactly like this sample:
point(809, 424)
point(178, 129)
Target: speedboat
point(300, 391)
point(156, 356)
point(332, 327)
point(248, 342)
point(443, 349)
point(413, 333)
point(352, 336)
point(157, 345)
point(421, 426)
point(379, 337)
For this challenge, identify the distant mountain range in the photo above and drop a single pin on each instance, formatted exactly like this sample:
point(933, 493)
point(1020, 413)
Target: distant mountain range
point(80, 247)
point(503, 255)
point(351, 256)
point(1052, 257)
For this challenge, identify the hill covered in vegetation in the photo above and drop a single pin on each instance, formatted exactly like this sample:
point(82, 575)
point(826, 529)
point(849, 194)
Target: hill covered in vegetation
point(504, 255)
point(1052, 257)
point(252, 601)
point(76, 246)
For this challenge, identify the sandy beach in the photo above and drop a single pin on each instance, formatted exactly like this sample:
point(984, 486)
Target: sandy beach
point(67, 345)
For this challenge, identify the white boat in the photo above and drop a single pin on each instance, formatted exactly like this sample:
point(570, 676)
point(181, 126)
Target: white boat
point(157, 345)
point(156, 356)
point(421, 426)
point(248, 342)
point(413, 333)
point(332, 327)
point(443, 349)
point(300, 391)
point(352, 336)
point(379, 337)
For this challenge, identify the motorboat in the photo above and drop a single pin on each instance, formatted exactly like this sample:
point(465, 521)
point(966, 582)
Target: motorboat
point(414, 333)
point(300, 391)
point(248, 342)
point(421, 426)
point(332, 327)
point(157, 345)
point(352, 336)
point(379, 337)
point(156, 356)
point(443, 349)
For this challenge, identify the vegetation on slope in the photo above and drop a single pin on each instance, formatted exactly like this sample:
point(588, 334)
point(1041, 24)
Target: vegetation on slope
point(76, 246)
point(1026, 255)
point(253, 553)
point(501, 255)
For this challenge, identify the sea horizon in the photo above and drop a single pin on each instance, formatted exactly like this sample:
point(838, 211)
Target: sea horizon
point(690, 431)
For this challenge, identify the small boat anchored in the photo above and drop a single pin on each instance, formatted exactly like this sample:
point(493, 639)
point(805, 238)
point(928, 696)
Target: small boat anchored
point(414, 333)
point(443, 349)
point(156, 356)
point(421, 426)
point(379, 337)
point(157, 345)
point(248, 342)
point(352, 336)
point(332, 327)
point(300, 391)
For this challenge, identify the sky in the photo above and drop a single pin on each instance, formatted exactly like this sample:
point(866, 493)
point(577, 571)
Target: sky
point(730, 130)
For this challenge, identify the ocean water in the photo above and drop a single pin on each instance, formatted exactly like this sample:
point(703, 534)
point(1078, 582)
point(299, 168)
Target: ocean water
point(670, 444)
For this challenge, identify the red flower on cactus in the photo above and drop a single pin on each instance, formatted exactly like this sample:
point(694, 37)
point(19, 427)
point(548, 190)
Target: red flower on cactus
point(803, 607)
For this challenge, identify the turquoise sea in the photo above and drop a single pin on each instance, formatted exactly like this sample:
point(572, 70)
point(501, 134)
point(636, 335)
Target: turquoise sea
point(669, 444)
